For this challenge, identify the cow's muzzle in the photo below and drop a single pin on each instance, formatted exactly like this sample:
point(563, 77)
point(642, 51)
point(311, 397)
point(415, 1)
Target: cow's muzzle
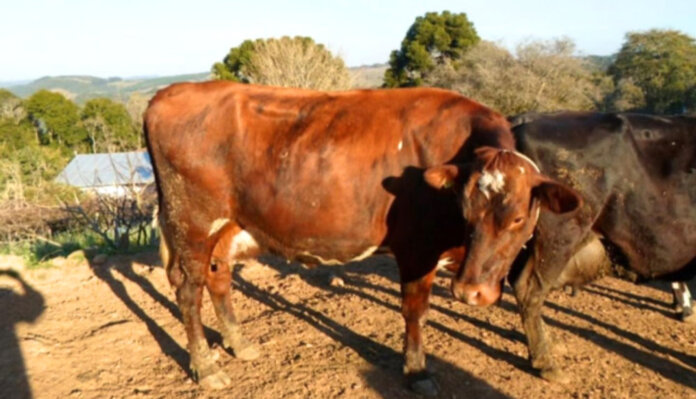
point(476, 294)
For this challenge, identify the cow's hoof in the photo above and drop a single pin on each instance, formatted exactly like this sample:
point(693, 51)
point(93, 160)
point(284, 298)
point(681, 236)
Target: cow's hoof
point(689, 318)
point(555, 375)
point(425, 387)
point(215, 381)
point(247, 353)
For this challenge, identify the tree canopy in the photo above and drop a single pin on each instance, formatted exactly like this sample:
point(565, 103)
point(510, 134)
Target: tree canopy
point(109, 126)
point(432, 40)
point(57, 120)
point(288, 62)
point(662, 64)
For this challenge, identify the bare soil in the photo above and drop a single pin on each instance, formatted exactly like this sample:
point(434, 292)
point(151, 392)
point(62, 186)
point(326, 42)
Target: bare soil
point(112, 330)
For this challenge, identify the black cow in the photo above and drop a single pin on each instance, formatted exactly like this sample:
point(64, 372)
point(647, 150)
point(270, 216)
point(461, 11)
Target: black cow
point(637, 177)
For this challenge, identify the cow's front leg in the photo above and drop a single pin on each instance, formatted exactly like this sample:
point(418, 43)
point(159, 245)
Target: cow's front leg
point(415, 298)
point(530, 294)
point(218, 282)
point(189, 295)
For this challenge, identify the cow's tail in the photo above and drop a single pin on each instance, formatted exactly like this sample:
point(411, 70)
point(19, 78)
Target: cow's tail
point(164, 250)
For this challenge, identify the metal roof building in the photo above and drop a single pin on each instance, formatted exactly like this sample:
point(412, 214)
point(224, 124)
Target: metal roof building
point(111, 173)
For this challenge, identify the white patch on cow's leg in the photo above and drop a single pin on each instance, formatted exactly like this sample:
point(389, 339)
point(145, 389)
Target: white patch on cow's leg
point(678, 292)
point(686, 296)
point(491, 182)
point(217, 225)
point(242, 243)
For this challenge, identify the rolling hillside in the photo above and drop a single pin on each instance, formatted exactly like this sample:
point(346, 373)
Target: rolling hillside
point(83, 88)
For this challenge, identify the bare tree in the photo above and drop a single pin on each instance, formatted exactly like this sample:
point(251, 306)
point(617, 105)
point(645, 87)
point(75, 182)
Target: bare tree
point(541, 76)
point(119, 218)
point(293, 62)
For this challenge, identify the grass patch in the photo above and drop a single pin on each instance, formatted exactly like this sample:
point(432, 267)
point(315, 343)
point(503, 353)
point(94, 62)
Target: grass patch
point(39, 253)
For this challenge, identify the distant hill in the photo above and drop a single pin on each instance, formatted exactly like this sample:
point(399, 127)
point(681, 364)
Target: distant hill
point(368, 76)
point(82, 88)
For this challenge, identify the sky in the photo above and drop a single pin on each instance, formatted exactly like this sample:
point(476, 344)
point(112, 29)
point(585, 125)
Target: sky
point(128, 38)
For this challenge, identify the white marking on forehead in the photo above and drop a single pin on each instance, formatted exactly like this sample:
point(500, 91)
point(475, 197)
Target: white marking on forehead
point(217, 225)
point(241, 243)
point(443, 263)
point(522, 170)
point(491, 181)
point(400, 145)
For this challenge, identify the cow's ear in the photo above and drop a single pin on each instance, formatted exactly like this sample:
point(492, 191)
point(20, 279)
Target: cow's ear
point(555, 196)
point(442, 176)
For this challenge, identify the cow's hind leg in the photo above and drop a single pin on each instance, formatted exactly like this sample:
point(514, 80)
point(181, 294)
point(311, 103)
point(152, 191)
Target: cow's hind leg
point(189, 296)
point(230, 246)
point(683, 301)
point(184, 274)
point(415, 295)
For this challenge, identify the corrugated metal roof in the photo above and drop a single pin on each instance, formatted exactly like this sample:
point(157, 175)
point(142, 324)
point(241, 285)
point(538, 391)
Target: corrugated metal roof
point(118, 168)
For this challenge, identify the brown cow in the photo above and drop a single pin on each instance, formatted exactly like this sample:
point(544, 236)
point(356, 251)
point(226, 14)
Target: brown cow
point(316, 176)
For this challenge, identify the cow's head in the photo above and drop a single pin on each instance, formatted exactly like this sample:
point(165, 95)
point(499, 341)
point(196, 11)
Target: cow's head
point(501, 193)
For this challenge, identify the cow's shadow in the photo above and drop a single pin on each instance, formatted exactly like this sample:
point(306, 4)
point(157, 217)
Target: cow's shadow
point(15, 308)
point(387, 363)
point(386, 375)
point(105, 272)
point(644, 354)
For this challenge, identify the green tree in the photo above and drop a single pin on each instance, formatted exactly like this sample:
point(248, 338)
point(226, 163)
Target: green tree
point(17, 134)
point(109, 126)
point(57, 120)
point(662, 64)
point(236, 62)
point(288, 62)
point(432, 40)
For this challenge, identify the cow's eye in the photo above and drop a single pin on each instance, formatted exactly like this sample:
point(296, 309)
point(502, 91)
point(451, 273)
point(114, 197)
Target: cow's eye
point(517, 221)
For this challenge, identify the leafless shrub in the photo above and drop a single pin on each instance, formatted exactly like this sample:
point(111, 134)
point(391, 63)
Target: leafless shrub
point(21, 220)
point(121, 216)
point(541, 76)
point(293, 62)
point(118, 220)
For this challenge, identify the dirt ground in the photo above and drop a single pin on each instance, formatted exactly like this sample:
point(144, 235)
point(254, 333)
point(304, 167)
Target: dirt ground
point(112, 330)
